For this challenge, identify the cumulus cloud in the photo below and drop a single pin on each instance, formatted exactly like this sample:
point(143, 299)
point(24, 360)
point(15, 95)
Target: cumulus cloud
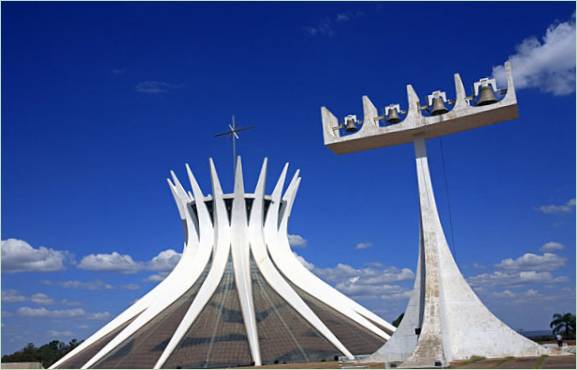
point(296, 240)
point(124, 263)
point(114, 261)
point(305, 263)
point(518, 296)
point(372, 281)
point(60, 334)
point(130, 286)
point(19, 256)
point(547, 64)
point(77, 284)
point(41, 298)
point(372, 274)
point(164, 261)
point(567, 207)
point(156, 277)
point(327, 25)
point(155, 87)
point(535, 262)
point(552, 246)
point(98, 316)
point(12, 296)
point(44, 312)
point(68, 302)
point(363, 245)
point(517, 278)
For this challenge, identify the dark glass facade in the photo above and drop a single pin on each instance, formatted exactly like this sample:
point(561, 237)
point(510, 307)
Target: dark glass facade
point(284, 335)
point(217, 338)
point(76, 361)
point(144, 347)
point(357, 339)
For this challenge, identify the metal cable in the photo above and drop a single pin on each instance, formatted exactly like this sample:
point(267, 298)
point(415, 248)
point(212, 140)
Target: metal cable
point(453, 247)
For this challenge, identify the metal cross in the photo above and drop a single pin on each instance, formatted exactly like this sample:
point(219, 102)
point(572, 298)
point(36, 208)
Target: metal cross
point(233, 133)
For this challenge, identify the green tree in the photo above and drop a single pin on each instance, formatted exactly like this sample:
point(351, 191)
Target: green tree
point(563, 324)
point(48, 353)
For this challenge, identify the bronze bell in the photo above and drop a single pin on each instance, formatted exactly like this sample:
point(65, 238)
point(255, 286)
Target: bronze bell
point(438, 106)
point(486, 96)
point(351, 124)
point(393, 116)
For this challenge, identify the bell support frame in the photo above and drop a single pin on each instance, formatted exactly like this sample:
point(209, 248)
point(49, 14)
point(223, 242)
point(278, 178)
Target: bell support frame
point(462, 117)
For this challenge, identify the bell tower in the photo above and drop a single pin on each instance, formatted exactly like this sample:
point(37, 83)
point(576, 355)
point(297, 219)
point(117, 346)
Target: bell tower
point(444, 320)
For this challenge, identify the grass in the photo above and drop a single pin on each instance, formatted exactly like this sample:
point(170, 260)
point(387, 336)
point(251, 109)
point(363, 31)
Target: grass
point(472, 360)
point(503, 361)
point(540, 362)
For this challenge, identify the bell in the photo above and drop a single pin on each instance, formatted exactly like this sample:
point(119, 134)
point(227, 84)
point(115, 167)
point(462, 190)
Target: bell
point(438, 107)
point(351, 125)
point(486, 96)
point(393, 116)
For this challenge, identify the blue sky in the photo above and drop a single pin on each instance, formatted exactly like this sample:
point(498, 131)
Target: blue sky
point(101, 100)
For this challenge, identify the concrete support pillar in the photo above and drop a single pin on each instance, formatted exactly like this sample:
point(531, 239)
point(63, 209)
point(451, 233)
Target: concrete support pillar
point(445, 320)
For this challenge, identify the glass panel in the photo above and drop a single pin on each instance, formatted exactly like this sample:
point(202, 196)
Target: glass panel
point(285, 336)
point(76, 361)
point(358, 339)
point(144, 347)
point(217, 338)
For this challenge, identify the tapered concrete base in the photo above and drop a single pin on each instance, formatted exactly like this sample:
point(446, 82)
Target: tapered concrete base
point(445, 321)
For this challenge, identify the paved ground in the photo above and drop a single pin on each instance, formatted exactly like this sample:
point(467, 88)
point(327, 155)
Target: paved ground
point(546, 362)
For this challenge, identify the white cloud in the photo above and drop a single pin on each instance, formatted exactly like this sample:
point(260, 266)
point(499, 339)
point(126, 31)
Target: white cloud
point(373, 281)
point(131, 286)
point(535, 262)
point(19, 256)
point(155, 87)
point(157, 277)
point(552, 246)
point(44, 312)
point(41, 298)
point(12, 296)
point(98, 316)
point(296, 240)
point(505, 294)
point(549, 64)
point(370, 282)
point(305, 263)
point(323, 28)
point(60, 334)
point(369, 274)
point(500, 278)
point(518, 296)
point(164, 261)
point(327, 25)
point(568, 207)
point(363, 245)
point(124, 263)
point(109, 262)
point(68, 302)
point(77, 284)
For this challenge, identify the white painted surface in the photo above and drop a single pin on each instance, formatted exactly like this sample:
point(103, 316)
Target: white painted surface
point(241, 262)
